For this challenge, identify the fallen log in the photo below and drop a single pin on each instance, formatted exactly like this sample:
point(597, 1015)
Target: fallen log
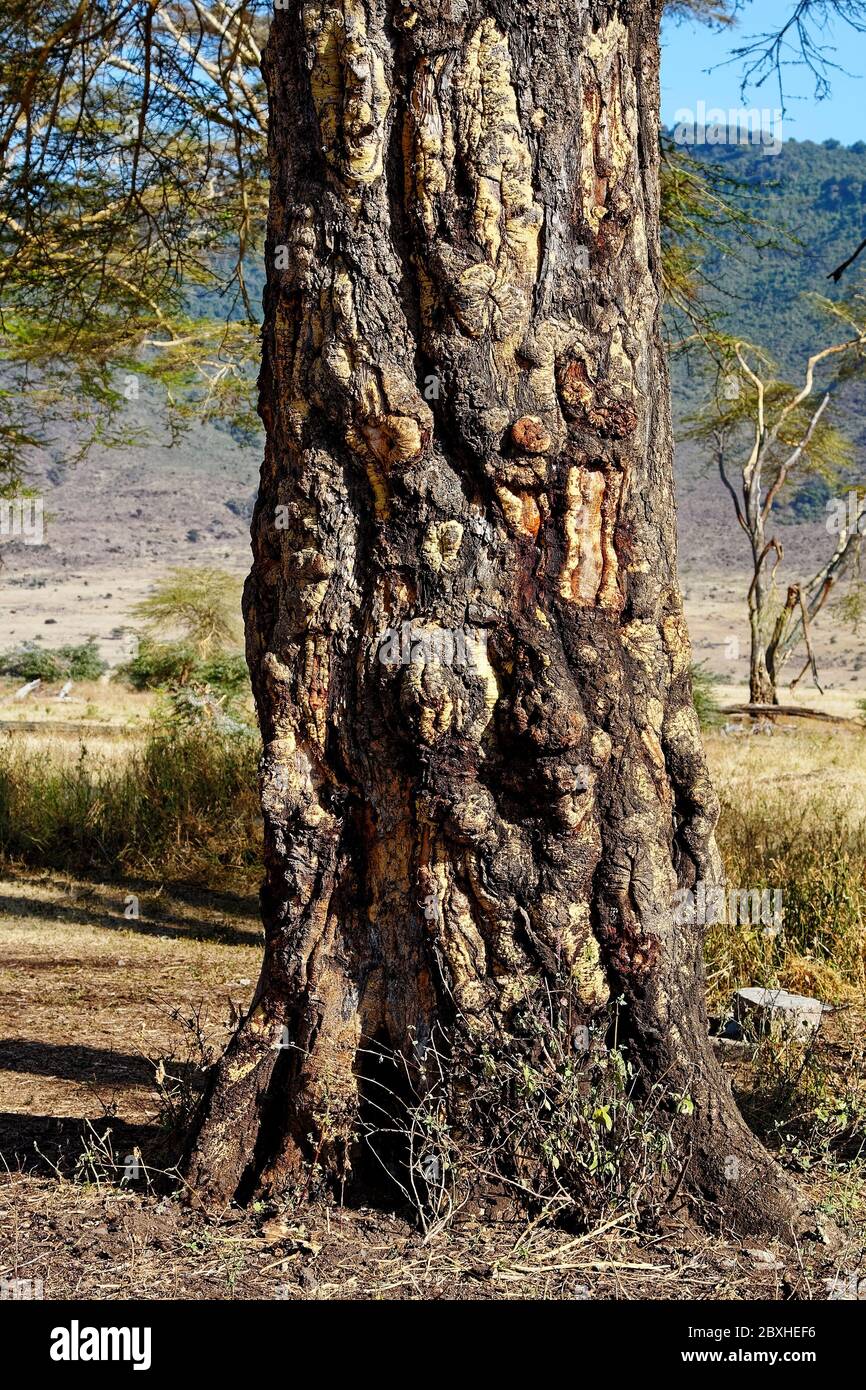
point(794, 711)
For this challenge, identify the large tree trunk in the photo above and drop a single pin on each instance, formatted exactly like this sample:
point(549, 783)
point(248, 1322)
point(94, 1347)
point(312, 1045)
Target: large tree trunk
point(468, 432)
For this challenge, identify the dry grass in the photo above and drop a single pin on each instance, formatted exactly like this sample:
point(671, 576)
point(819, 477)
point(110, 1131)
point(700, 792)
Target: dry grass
point(103, 701)
point(179, 803)
point(91, 1000)
point(794, 818)
point(802, 764)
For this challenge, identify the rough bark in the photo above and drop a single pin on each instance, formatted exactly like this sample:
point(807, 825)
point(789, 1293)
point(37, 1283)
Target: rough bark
point(762, 671)
point(468, 430)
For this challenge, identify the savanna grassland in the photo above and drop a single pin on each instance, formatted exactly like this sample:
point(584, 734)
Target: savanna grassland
point(440, 236)
point(131, 941)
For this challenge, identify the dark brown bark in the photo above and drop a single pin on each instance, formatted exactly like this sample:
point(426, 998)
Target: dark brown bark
point(468, 430)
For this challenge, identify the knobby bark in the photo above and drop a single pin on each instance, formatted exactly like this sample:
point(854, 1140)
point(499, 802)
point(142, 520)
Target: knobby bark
point(468, 434)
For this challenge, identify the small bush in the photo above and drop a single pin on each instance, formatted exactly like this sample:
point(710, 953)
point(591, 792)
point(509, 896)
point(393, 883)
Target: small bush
point(703, 693)
point(198, 707)
point(167, 665)
point(563, 1120)
point(226, 672)
point(158, 665)
point(29, 662)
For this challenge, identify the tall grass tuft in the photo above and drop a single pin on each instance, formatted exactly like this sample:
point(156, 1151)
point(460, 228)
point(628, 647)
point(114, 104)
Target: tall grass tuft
point(183, 804)
point(815, 853)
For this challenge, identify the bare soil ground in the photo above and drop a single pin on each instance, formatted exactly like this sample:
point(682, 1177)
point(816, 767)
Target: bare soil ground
point(87, 1244)
point(91, 999)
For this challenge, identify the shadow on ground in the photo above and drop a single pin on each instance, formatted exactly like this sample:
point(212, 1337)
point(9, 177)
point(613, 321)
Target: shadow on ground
point(91, 910)
point(52, 1145)
point(73, 1062)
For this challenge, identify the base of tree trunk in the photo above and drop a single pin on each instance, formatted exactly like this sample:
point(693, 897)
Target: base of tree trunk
point(260, 1135)
point(763, 693)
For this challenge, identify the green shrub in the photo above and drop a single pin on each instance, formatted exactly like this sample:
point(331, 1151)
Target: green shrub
point(167, 665)
point(158, 665)
point(703, 693)
point(29, 662)
point(226, 673)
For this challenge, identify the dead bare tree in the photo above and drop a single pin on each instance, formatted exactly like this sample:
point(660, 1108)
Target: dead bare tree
point(768, 432)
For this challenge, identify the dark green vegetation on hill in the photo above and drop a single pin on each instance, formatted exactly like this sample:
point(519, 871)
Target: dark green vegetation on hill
point(808, 203)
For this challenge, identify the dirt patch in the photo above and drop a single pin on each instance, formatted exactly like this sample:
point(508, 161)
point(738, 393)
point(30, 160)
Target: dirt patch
point(92, 997)
point(91, 1000)
point(87, 1243)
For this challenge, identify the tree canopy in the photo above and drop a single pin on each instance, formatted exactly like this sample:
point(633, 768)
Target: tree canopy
point(133, 137)
point(133, 196)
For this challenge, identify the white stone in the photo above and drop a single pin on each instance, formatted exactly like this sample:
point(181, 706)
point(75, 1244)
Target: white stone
point(777, 1011)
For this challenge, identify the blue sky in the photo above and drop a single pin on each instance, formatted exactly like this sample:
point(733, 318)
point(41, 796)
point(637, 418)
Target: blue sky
point(690, 73)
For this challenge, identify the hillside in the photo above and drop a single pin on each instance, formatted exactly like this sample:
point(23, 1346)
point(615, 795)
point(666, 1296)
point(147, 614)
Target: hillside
point(118, 519)
point(809, 209)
